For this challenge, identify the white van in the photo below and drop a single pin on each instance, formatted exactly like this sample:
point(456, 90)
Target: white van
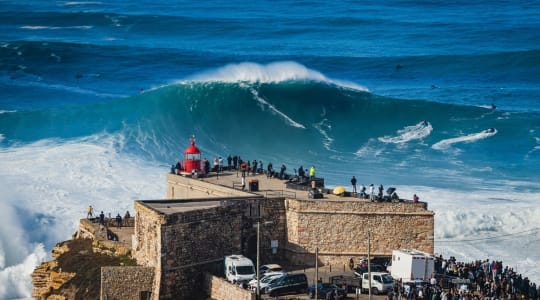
point(409, 265)
point(239, 268)
point(381, 282)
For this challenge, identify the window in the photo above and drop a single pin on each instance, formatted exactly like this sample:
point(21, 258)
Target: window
point(191, 156)
point(145, 295)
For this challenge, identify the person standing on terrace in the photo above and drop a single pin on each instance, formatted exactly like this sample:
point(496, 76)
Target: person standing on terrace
point(312, 172)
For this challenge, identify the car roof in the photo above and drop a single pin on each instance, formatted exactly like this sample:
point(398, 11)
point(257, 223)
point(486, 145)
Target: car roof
point(272, 266)
point(274, 274)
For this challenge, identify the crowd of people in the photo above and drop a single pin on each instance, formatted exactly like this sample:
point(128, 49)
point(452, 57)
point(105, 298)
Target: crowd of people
point(487, 279)
point(371, 195)
point(101, 217)
point(255, 167)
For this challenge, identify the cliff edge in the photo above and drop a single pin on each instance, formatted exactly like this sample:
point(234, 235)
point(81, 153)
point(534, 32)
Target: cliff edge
point(74, 272)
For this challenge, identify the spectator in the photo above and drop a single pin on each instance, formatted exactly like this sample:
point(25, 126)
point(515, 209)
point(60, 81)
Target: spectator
point(254, 167)
point(101, 220)
point(127, 215)
point(216, 164)
point(353, 182)
point(90, 212)
point(220, 164)
point(270, 171)
point(178, 167)
point(415, 199)
point(206, 165)
point(282, 171)
point(301, 172)
point(363, 194)
point(312, 172)
point(235, 162)
point(119, 220)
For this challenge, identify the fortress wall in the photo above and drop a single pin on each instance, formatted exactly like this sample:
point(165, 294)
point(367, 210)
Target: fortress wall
point(146, 248)
point(196, 241)
point(147, 236)
point(180, 187)
point(340, 229)
point(126, 282)
point(273, 227)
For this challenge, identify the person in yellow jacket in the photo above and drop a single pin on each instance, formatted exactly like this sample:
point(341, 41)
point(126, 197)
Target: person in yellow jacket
point(312, 172)
point(90, 212)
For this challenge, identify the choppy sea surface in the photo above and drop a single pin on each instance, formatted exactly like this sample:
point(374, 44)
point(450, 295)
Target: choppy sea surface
point(98, 99)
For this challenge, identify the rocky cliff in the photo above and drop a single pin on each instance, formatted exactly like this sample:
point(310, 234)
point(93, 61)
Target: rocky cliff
point(74, 272)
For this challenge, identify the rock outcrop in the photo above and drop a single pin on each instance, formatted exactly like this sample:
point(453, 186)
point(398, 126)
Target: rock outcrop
point(74, 272)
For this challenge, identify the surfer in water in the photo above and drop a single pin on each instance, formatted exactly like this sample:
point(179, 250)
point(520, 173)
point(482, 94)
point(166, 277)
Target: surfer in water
point(490, 130)
point(493, 106)
point(425, 123)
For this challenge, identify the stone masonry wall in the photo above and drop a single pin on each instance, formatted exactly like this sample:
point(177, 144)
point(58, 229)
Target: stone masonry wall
point(118, 283)
point(146, 248)
point(273, 227)
point(220, 289)
point(194, 241)
point(340, 229)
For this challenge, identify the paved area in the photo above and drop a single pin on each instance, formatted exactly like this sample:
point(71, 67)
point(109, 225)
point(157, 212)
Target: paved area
point(267, 185)
point(124, 234)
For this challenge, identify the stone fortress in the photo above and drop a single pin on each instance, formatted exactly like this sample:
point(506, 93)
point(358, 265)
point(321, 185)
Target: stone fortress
point(202, 220)
point(179, 243)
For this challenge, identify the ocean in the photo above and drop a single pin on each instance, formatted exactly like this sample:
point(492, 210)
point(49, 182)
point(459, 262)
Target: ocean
point(435, 98)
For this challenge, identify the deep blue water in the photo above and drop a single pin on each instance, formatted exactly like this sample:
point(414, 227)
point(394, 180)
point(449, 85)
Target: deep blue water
point(343, 85)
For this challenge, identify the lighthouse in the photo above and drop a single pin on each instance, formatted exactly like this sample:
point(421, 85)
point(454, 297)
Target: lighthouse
point(192, 159)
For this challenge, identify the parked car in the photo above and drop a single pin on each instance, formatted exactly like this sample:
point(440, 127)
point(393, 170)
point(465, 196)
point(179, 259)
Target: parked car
point(323, 289)
point(270, 268)
point(265, 281)
point(288, 284)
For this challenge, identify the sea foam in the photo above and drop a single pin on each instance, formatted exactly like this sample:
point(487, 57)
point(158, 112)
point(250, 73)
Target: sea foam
point(445, 144)
point(409, 133)
point(45, 189)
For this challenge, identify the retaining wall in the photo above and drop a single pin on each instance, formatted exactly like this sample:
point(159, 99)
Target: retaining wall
point(120, 283)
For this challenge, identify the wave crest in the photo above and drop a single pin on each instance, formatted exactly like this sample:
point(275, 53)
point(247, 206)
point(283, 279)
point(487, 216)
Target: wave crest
point(270, 73)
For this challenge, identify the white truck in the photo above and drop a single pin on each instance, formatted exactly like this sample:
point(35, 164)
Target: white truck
point(410, 265)
point(239, 268)
point(381, 282)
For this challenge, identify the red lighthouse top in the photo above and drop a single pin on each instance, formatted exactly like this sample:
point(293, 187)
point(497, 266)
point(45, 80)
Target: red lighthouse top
point(192, 158)
point(192, 149)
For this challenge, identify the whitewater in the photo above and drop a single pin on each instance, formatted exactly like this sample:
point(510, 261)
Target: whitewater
point(95, 107)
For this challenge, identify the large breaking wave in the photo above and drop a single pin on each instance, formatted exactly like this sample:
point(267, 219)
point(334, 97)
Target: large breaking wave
point(252, 104)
